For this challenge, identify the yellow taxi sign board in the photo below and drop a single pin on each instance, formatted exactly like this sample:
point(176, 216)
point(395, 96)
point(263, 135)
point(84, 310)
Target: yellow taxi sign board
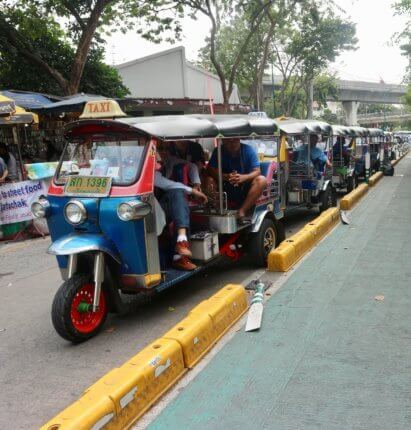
point(102, 109)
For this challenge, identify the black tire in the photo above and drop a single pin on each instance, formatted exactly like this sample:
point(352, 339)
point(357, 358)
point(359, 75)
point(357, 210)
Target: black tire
point(61, 312)
point(327, 199)
point(352, 183)
point(261, 243)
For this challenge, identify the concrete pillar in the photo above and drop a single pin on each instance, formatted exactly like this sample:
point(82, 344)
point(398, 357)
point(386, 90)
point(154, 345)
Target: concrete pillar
point(351, 109)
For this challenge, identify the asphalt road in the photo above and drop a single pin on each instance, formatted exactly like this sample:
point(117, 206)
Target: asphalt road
point(40, 373)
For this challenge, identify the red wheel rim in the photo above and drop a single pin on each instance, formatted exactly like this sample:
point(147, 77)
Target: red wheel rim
point(87, 322)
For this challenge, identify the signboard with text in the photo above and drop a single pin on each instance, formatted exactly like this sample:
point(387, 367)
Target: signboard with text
point(16, 199)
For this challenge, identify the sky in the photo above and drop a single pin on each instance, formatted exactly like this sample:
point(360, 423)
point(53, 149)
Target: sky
point(376, 57)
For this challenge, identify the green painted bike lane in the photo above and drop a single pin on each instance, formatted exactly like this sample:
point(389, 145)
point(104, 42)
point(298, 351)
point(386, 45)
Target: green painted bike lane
point(329, 355)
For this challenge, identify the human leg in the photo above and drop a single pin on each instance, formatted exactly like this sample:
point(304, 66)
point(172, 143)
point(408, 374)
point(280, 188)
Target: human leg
point(176, 207)
point(256, 190)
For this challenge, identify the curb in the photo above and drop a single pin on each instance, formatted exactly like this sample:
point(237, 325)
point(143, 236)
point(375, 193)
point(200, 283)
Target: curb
point(375, 178)
point(291, 250)
point(350, 199)
point(123, 395)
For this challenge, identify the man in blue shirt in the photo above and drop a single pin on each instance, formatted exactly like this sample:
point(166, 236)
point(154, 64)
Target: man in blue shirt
point(242, 177)
point(317, 155)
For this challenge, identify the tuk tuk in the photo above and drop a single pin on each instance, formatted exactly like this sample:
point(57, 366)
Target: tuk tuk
point(102, 214)
point(343, 158)
point(376, 145)
point(308, 177)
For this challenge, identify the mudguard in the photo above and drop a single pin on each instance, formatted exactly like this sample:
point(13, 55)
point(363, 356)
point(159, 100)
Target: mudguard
point(325, 184)
point(76, 243)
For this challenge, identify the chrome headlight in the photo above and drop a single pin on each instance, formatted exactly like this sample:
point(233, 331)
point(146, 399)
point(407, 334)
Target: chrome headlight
point(75, 212)
point(40, 208)
point(133, 210)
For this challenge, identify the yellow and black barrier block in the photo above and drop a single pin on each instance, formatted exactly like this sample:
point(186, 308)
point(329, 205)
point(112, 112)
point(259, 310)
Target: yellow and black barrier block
point(118, 399)
point(291, 250)
point(350, 199)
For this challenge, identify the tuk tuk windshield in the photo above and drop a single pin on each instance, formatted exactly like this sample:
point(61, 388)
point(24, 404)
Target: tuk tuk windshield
point(120, 160)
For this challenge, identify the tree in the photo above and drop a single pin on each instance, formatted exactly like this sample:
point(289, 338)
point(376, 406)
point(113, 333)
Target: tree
point(16, 72)
point(403, 7)
point(221, 13)
point(84, 23)
point(305, 48)
point(242, 50)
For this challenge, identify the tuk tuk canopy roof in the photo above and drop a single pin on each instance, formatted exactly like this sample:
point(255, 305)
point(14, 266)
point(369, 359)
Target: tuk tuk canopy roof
point(342, 130)
point(299, 126)
point(375, 132)
point(177, 127)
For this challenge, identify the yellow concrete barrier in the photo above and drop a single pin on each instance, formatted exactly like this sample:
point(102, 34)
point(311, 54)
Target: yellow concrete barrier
point(375, 178)
point(224, 308)
point(93, 410)
point(282, 258)
point(123, 395)
point(291, 250)
point(349, 200)
point(196, 335)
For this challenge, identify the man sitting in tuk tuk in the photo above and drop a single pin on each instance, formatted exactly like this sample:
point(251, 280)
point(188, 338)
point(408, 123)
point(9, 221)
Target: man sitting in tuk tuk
point(341, 149)
point(318, 157)
point(172, 198)
point(242, 179)
point(190, 151)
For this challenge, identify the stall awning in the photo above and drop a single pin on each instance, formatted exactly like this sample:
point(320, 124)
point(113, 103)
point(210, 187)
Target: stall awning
point(71, 104)
point(29, 100)
point(11, 114)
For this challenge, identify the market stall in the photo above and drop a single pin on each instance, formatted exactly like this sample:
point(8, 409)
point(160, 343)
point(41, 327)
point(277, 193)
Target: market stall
point(17, 193)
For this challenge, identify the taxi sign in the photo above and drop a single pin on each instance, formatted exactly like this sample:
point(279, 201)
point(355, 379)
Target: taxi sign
point(102, 109)
point(88, 186)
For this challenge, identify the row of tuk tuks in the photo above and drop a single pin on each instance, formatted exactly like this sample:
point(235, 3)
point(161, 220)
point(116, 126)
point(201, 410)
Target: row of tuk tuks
point(102, 212)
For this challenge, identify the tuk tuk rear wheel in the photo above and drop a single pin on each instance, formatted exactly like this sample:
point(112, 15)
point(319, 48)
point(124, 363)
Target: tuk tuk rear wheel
point(328, 199)
point(261, 243)
point(71, 312)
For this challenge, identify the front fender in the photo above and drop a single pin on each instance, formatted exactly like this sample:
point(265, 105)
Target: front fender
point(325, 184)
point(76, 243)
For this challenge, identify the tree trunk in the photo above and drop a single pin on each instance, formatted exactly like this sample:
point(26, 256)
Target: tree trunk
point(83, 47)
point(310, 99)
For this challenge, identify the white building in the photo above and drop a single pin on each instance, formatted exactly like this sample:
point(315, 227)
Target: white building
point(168, 75)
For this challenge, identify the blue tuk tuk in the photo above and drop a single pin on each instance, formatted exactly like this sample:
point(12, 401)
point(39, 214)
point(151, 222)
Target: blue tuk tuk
point(102, 214)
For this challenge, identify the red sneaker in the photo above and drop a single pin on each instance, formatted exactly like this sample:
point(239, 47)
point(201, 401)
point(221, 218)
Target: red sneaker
point(183, 248)
point(184, 263)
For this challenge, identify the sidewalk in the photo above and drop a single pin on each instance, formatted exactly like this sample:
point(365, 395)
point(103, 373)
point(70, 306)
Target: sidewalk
point(329, 354)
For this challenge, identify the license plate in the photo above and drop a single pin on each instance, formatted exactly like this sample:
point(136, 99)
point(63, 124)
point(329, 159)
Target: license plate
point(88, 186)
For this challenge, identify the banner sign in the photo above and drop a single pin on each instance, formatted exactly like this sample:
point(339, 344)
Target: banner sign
point(16, 200)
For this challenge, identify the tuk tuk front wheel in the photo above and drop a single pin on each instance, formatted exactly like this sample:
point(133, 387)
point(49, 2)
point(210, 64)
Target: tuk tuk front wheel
point(261, 243)
point(72, 314)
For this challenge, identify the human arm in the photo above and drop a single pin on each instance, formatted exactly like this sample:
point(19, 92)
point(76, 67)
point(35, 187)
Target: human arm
point(166, 184)
point(194, 174)
point(3, 168)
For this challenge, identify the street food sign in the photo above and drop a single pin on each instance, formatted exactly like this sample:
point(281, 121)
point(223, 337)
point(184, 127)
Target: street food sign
point(7, 107)
point(102, 109)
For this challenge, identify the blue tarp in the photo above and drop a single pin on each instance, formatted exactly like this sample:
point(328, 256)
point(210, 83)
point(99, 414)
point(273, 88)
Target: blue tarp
point(29, 100)
point(72, 104)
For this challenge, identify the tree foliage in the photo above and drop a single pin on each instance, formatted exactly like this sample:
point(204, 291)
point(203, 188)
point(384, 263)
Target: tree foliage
point(82, 25)
point(301, 37)
point(16, 72)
